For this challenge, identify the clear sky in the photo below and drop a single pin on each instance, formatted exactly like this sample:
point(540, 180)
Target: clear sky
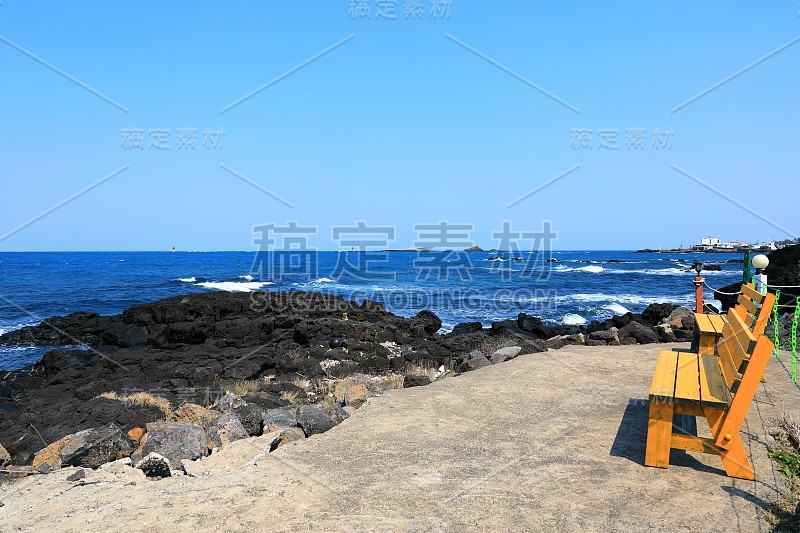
point(396, 122)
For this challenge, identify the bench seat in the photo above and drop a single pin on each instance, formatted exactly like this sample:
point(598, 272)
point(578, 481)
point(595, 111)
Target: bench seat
point(689, 379)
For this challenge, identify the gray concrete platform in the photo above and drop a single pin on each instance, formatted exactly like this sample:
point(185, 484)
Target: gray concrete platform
point(546, 442)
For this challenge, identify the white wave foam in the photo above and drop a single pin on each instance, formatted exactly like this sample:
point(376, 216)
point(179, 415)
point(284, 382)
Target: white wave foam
point(593, 269)
point(616, 308)
point(235, 286)
point(672, 271)
point(571, 319)
point(247, 277)
point(324, 280)
point(188, 280)
point(14, 327)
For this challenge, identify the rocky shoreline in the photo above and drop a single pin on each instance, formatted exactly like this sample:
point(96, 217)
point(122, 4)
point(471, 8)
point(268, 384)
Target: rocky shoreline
point(165, 383)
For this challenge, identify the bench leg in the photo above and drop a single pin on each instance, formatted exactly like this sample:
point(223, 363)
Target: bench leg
point(734, 459)
point(659, 434)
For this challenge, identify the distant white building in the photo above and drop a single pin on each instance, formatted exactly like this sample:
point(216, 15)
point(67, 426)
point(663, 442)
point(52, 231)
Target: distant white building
point(710, 241)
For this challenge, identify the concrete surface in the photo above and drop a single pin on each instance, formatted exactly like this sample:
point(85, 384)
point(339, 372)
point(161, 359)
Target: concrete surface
point(546, 442)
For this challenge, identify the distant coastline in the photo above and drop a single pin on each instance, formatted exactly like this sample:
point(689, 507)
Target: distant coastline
point(691, 251)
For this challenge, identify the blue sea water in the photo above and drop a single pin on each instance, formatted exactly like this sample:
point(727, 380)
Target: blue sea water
point(580, 287)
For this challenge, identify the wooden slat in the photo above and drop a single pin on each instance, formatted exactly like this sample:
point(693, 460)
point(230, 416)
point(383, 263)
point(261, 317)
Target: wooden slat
point(713, 391)
point(703, 323)
point(763, 315)
point(747, 318)
point(749, 291)
point(687, 383)
point(692, 410)
point(730, 371)
point(694, 444)
point(747, 303)
point(662, 388)
point(742, 332)
point(718, 322)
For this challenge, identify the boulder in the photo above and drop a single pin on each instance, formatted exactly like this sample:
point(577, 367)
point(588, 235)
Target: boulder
point(576, 338)
point(467, 327)
point(276, 419)
point(728, 294)
point(416, 381)
point(135, 435)
point(784, 271)
point(289, 435)
point(195, 414)
point(475, 354)
point(532, 324)
point(475, 364)
point(173, 440)
point(77, 475)
point(665, 332)
point(428, 321)
point(313, 420)
point(356, 396)
point(225, 429)
point(609, 336)
point(89, 448)
point(680, 318)
point(5, 457)
point(639, 332)
point(155, 465)
point(49, 458)
point(505, 354)
point(532, 346)
point(656, 312)
point(555, 343)
point(251, 416)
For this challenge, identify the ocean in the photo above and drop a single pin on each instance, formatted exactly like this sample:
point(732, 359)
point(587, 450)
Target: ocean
point(575, 288)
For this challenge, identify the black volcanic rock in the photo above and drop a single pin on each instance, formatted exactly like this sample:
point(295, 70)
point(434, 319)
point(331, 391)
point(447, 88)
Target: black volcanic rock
point(466, 327)
point(784, 271)
point(181, 348)
point(656, 312)
point(727, 295)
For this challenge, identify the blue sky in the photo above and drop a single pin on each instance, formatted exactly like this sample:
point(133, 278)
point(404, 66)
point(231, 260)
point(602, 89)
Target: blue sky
point(399, 125)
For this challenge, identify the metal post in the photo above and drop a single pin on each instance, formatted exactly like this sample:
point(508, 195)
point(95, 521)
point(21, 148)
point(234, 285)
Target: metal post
point(747, 275)
point(698, 286)
point(698, 293)
point(760, 281)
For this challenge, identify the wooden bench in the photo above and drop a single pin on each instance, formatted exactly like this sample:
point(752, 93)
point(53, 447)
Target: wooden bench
point(718, 387)
point(750, 306)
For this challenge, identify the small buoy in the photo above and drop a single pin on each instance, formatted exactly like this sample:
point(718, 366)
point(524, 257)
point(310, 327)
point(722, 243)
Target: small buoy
point(335, 342)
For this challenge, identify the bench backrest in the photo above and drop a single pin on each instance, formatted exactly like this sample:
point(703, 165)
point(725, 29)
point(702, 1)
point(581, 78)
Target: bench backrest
point(743, 357)
point(753, 308)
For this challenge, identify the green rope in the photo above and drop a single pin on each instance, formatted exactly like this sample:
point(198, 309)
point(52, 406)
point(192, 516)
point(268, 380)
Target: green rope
point(794, 341)
point(776, 324)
